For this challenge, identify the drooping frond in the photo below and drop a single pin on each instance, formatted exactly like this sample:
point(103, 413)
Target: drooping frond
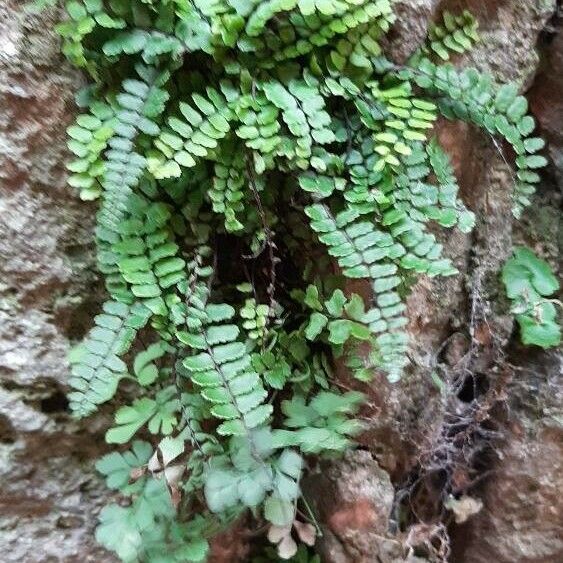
point(96, 364)
point(223, 372)
point(224, 140)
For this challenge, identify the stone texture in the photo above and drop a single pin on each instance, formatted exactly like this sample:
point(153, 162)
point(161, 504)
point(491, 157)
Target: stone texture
point(409, 31)
point(509, 32)
point(353, 498)
point(48, 494)
point(523, 515)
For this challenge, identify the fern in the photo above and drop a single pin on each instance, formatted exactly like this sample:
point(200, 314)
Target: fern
point(193, 136)
point(529, 283)
point(96, 364)
point(471, 96)
point(222, 371)
point(88, 140)
point(455, 34)
point(252, 159)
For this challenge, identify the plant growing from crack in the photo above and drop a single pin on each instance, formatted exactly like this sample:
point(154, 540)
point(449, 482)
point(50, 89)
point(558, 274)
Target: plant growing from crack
point(251, 158)
point(530, 283)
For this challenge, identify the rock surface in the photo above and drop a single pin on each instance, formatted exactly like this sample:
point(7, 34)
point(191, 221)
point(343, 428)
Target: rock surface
point(353, 498)
point(49, 495)
point(522, 518)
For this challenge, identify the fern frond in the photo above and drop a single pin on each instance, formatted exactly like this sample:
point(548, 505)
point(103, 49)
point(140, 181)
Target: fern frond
point(455, 34)
point(223, 372)
point(150, 44)
point(303, 111)
point(449, 210)
point(309, 31)
point(96, 367)
point(355, 50)
point(469, 95)
point(362, 251)
point(140, 102)
point(193, 136)
point(83, 18)
point(148, 257)
point(229, 186)
point(88, 139)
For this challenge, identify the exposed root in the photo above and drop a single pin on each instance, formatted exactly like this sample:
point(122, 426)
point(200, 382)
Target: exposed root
point(456, 454)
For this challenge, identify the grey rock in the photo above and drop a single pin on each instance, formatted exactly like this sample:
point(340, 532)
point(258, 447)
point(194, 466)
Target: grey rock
point(410, 29)
point(49, 494)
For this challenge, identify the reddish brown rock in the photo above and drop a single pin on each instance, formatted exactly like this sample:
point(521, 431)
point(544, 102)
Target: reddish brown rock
point(522, 518)
point(231, 546)
point(546, 98)
point(353, 498)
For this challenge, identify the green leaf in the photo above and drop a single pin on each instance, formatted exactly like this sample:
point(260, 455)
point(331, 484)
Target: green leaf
point(466, 221)
point(298, 413)
point(253, 486)
point(258, 416)
point(118, 532)
point(541, 328)
point(312, 298)
point(535, 161)
point(129, 419)
point(170, 448)
point(195, 551)
point(340, 331)
point(316, 440)
point(526, 268)
point(527, 279)
point(117, 467)
point(219, 312)
point(143, 366)
point(278, 511)
point(534, 144)
point(335, 305)
point(326, 403)
point(221, 490)
point(355, 308)
point(316, 324)
point(291, 463)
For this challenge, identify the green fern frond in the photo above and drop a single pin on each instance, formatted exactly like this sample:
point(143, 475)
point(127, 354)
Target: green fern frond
point(147, 257)
point(223, 372)
point(309, 31)
point(362, 251)
point(455, 34)
point(229, 186)
point(471, 96)
point(193, 136)
point(88, 139)
point(96, 367)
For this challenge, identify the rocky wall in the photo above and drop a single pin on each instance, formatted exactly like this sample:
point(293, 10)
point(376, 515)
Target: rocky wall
point(49, 495)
